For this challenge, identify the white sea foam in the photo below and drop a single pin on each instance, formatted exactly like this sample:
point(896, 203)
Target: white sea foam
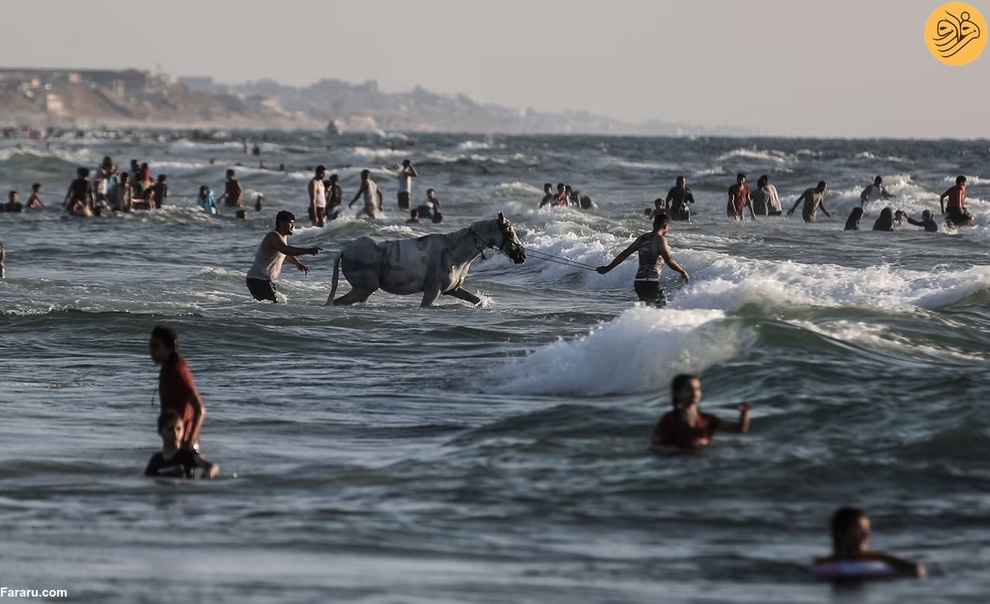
point(759, 155)
point(380, 154)
point(639, 351)
point(477, 146)
point(729, 282)
point(518, 188)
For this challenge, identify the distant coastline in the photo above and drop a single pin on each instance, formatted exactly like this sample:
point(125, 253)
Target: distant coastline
point(87, 98)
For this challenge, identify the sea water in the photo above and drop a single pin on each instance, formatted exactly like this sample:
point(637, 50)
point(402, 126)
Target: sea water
point(389, 453)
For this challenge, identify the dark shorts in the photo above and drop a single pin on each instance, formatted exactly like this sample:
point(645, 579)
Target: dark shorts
point(403, 200)
point(650, 292)
point(262, 289)
point(957, 216)
point(321, 211)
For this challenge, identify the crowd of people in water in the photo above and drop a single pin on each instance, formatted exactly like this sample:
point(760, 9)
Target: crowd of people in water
point(764, 200)
point(684, 427)
point(565, 196)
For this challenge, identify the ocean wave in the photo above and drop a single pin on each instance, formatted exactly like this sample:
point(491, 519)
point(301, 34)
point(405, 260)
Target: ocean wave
point(759, 155)
point(639, 351)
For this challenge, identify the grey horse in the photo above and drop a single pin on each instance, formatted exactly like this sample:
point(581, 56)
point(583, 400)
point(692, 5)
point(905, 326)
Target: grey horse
point(433, 264)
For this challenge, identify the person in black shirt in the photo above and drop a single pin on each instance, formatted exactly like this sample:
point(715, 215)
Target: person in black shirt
point(174, 460)
point(678, 199)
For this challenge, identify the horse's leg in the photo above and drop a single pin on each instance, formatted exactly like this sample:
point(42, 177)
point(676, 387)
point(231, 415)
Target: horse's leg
point(433, 281)
point(462, 294)
point(354, 296)
point(430, 295)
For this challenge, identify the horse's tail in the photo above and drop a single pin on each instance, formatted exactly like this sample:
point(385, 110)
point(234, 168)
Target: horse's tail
point(333, 283)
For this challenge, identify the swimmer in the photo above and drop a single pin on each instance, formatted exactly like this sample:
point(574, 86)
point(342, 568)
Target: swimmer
point(406, 173)
point(317, 206)
point(159, 191)
point(428, 207)
point(851, 557)
point(122, 196)
point(334, 196)
point(176, 389)
point(79, 199)
point(413, 216)
point(548, 195)
point(874, 192)
point(34, 201)
point(813, 199)
point(653, 252)
point(739, 199)
point(678, 198)
point(885, 222)
point(955, 211)
point(176, 459)
point(927, 221)
point(685, 427)
point(206, 200)
point(766, 202)
point(233, 194)
point(852, 223)
point(12, 204)
point(372, 194)
point(272, 251)
point(773, 198)
point(659, 207)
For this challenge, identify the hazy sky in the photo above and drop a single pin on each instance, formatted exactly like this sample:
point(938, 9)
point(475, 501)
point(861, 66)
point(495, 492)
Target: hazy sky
point(845, 68)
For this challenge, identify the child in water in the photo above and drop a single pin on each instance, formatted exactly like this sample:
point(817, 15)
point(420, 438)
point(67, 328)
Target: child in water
point(686, 427)
point(206, 200)
point(176, 459)
point(851, 557)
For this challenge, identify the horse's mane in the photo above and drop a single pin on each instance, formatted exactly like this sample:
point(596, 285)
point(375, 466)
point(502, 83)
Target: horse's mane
point(451, 239)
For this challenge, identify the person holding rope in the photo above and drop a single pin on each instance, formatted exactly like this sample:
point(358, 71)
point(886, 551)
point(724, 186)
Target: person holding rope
point(653, 252)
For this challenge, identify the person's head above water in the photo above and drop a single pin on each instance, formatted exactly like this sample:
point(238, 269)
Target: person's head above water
point(740, 178)
point(284, 221)
point(685, 390)
point(365, 174)
point(171, 428)
point(680, 182)
point(850, 531)
point(821, 186)
point(878, 180)
point(661, 222)
point(960, 180)
point(163, 345)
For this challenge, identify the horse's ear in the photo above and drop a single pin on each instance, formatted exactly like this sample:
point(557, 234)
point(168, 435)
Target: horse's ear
point(500, 217)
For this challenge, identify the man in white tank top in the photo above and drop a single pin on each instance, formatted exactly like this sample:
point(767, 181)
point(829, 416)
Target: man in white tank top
point(874, 192)
point(406, 173)
point(268, 259)
point(317, 197)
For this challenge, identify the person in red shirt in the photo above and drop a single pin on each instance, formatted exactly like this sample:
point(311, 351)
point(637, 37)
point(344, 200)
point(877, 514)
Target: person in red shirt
point(739, 199)
point(955, 211)
point(686, 427)
point(233, 194)
point(176, 388)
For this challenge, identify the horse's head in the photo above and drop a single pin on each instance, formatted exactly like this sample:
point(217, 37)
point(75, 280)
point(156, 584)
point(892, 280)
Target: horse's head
point(498, 233)
point(510, 244)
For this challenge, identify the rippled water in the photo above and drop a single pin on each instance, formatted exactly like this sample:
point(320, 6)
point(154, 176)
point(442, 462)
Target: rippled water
point(389, 453)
